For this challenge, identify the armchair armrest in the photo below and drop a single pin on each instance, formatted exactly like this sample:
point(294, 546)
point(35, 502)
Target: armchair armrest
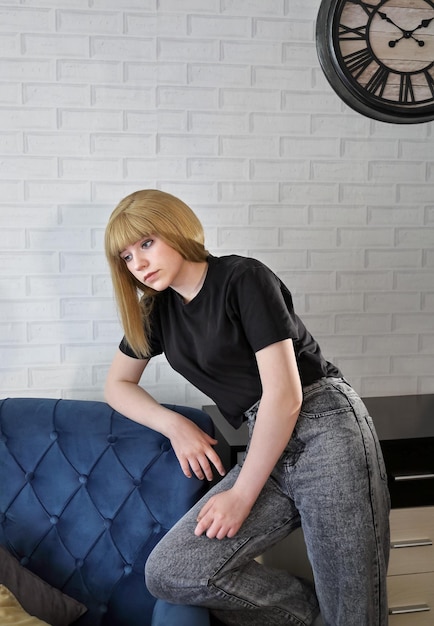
point(166, 614)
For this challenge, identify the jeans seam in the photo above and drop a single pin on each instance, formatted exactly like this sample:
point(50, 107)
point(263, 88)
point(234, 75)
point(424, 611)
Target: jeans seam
point(369, 468)
point(250, 605)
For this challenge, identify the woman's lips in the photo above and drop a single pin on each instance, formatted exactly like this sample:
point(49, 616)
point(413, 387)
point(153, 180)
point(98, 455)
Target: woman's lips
point(149, 278)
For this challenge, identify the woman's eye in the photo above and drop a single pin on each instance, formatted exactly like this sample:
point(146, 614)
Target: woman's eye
point(147, 243)
point(127, 258)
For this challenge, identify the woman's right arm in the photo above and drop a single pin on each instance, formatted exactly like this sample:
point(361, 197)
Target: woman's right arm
point(193, 447)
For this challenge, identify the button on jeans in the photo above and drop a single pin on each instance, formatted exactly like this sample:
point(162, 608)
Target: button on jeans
point(331, 480)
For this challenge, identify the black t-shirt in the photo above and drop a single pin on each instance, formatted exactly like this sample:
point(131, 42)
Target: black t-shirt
point(212, 340)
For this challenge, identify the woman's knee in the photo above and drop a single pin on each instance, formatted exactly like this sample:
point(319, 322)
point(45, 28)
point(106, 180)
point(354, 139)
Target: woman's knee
point(166, 577)
point(157, 573)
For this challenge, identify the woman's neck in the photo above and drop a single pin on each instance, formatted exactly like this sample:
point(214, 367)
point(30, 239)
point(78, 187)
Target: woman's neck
point(194, 282)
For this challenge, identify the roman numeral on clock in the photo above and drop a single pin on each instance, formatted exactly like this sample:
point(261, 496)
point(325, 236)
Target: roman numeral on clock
point(430, 81)
point(377, 83)
point(357, 62)
point(406, 93)
point(346, 33)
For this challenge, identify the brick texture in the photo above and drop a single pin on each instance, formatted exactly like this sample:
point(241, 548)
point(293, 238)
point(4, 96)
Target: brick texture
point(223, 103)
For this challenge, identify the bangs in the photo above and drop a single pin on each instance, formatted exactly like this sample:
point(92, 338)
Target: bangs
point(124, 231)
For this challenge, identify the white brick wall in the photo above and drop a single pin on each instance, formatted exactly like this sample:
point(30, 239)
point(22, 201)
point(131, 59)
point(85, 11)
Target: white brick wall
point(223, 103)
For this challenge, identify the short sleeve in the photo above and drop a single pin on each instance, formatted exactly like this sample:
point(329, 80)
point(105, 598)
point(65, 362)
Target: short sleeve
point(125, 347)
point(265, 307)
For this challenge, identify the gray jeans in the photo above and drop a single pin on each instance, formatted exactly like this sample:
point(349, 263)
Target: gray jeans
point(331, 480)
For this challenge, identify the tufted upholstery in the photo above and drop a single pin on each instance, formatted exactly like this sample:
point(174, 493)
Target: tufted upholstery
point(85, 494)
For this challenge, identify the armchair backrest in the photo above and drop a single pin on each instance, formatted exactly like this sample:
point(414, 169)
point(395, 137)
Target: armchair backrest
point(85, 494)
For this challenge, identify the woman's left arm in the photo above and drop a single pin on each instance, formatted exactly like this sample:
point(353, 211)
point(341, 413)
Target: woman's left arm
point(224, 513)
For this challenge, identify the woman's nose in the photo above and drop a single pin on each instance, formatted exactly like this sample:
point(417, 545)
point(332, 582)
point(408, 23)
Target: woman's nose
point(140, 261)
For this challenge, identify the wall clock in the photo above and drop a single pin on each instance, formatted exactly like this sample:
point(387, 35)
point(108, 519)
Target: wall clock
point(378, 55)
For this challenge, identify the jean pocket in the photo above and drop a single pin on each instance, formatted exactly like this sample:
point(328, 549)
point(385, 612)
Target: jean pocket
point(325, 401)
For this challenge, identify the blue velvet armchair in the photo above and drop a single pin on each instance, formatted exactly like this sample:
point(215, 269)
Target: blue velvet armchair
point(85, 494)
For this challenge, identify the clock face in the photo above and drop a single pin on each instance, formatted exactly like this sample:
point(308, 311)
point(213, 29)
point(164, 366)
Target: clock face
point(379, 56)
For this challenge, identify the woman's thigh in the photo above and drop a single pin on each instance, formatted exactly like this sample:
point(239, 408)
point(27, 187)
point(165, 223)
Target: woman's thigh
point(184, 564)
point(339, 486)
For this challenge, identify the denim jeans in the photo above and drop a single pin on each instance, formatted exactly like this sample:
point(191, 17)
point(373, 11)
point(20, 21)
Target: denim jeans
point(331, 480)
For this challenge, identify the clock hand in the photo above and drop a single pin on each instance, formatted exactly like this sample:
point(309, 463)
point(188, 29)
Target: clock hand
point(406, 34)
point(423, 24)
point(385, 17)
point(393, 42)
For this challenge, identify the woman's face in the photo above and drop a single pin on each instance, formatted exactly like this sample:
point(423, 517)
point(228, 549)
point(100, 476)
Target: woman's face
point(154, 263)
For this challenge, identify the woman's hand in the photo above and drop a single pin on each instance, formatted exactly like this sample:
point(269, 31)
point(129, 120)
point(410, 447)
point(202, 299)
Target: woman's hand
point(223, 515)
point(193, 447)
point(194, 450)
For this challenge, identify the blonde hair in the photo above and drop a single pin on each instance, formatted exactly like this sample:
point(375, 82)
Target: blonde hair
point(144, 213)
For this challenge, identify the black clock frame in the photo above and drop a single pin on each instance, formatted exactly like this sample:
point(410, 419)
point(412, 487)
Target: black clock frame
point(327, 36)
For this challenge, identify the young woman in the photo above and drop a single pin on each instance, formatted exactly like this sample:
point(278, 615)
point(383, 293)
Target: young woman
point(227, 324)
